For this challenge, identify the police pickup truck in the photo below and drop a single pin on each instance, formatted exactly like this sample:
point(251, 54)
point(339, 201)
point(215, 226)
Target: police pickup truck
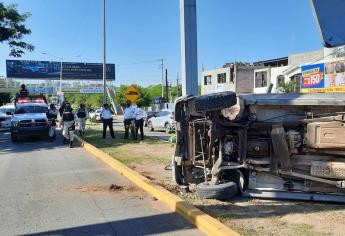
point(30, 118)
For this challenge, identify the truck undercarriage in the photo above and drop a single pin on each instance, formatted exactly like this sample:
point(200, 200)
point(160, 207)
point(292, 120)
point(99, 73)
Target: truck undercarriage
point(270, 145)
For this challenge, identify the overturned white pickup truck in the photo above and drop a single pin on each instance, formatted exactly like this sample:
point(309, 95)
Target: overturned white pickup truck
point(288, 146)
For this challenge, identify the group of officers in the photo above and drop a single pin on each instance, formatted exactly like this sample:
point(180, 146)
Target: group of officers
point(133, 119)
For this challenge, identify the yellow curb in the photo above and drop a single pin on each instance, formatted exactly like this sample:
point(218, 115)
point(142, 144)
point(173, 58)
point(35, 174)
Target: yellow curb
point(204, 222)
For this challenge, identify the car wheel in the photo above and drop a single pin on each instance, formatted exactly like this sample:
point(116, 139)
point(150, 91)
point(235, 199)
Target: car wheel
point(14, 138)
point(150, 126)
point(219, 191)
point(167, 128)
point(214, 102)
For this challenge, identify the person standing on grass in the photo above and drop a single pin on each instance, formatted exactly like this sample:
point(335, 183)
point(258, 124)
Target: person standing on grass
point(128, 119)
point(139, 115)
point(107, 119)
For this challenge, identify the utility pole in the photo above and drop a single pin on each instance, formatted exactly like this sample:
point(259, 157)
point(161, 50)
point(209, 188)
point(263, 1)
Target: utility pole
point(162, 67)
point(166, 86)
point(177, 88)
point(104, 58)
point(189, 55)
point(170, 89)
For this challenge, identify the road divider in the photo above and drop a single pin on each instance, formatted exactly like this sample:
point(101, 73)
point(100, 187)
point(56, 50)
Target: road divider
point(204, 222)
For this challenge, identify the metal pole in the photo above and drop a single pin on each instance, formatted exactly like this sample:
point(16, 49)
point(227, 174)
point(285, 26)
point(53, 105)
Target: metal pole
point(104, 58)
point(189, 57)
point(166, 86)
point(177, 88)
point(162, 65)
point(60, 90)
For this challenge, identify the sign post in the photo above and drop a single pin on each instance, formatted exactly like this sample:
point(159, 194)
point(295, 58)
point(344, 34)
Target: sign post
point(131, 94)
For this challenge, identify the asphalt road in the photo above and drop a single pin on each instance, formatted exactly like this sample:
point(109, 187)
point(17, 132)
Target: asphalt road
point(49, 189)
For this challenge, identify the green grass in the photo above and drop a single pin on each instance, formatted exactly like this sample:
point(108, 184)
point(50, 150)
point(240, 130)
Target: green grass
point(130, 151)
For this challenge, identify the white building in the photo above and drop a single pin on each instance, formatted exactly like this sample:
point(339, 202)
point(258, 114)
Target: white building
point(229, 78)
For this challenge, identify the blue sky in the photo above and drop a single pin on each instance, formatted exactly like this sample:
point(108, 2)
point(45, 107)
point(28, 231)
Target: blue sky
point(146, 30)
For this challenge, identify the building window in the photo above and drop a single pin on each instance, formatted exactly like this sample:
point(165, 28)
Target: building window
point(297, 80)
point(207, 79)
point(260, 79)
point(280, 80)
point(221, 78)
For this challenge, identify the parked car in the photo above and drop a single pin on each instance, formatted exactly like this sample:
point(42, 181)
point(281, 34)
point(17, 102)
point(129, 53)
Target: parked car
point(96, 115)
point(288, 146)
point(149, 115)
point(6, 113)
point(163, 120)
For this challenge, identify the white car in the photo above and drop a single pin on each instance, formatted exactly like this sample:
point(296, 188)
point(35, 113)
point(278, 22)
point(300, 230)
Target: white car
point(163, 120)
point(6, 113)
point(96, 115)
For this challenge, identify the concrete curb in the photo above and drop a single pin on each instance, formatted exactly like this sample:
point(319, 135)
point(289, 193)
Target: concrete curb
point(204, 222)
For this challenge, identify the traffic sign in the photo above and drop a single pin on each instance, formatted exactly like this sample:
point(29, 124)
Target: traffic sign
point(131, 94)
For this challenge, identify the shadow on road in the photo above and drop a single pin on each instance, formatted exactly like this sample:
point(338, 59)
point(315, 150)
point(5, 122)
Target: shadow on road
point(148, 225)
point(27, 144)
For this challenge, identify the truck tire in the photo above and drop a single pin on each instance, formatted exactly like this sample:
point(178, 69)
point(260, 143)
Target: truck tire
point(215, 101)
point(219, 191)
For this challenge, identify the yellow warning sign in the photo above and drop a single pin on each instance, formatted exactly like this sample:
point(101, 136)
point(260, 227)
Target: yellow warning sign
point(131, 94)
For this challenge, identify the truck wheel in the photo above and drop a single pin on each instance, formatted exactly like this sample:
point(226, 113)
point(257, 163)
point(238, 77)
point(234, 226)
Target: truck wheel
point(214, 102)
point(219, 191)
point(14, 138)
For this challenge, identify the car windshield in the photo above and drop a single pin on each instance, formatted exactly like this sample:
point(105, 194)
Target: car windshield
point(31, 109)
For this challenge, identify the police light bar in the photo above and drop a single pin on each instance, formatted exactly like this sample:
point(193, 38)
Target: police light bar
point(22, 100)
point(38, 100)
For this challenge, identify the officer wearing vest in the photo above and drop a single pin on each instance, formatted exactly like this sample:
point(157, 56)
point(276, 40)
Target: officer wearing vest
point(82, 116)
point(23, 92)
point(68, 124)
point(52, 116)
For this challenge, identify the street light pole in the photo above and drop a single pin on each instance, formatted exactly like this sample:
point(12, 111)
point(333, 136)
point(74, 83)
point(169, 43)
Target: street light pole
point(60, 90)
point(104, 58)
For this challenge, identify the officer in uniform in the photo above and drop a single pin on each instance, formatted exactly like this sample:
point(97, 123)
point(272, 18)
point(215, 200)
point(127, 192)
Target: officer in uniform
point(23, 92)
point(107, 119)
point(68, 124)
point(129, 120)
point(139, 115)
point(82, 116)
point(52, 116)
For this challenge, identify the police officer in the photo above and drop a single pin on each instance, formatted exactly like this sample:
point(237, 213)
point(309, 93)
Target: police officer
point(23, 92)
point(81, 115)
point(107, 119)
point(52, 116)
point(128, 119)
point(68, 124)
point(139, 116)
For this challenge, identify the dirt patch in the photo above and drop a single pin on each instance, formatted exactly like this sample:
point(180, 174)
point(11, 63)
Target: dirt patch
point(113, 188)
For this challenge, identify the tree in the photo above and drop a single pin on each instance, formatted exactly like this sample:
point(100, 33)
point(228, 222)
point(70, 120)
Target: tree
point(288, 87)
point(12, 29)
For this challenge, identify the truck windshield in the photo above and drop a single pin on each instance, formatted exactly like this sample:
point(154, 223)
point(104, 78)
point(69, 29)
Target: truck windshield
point(31, 109)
